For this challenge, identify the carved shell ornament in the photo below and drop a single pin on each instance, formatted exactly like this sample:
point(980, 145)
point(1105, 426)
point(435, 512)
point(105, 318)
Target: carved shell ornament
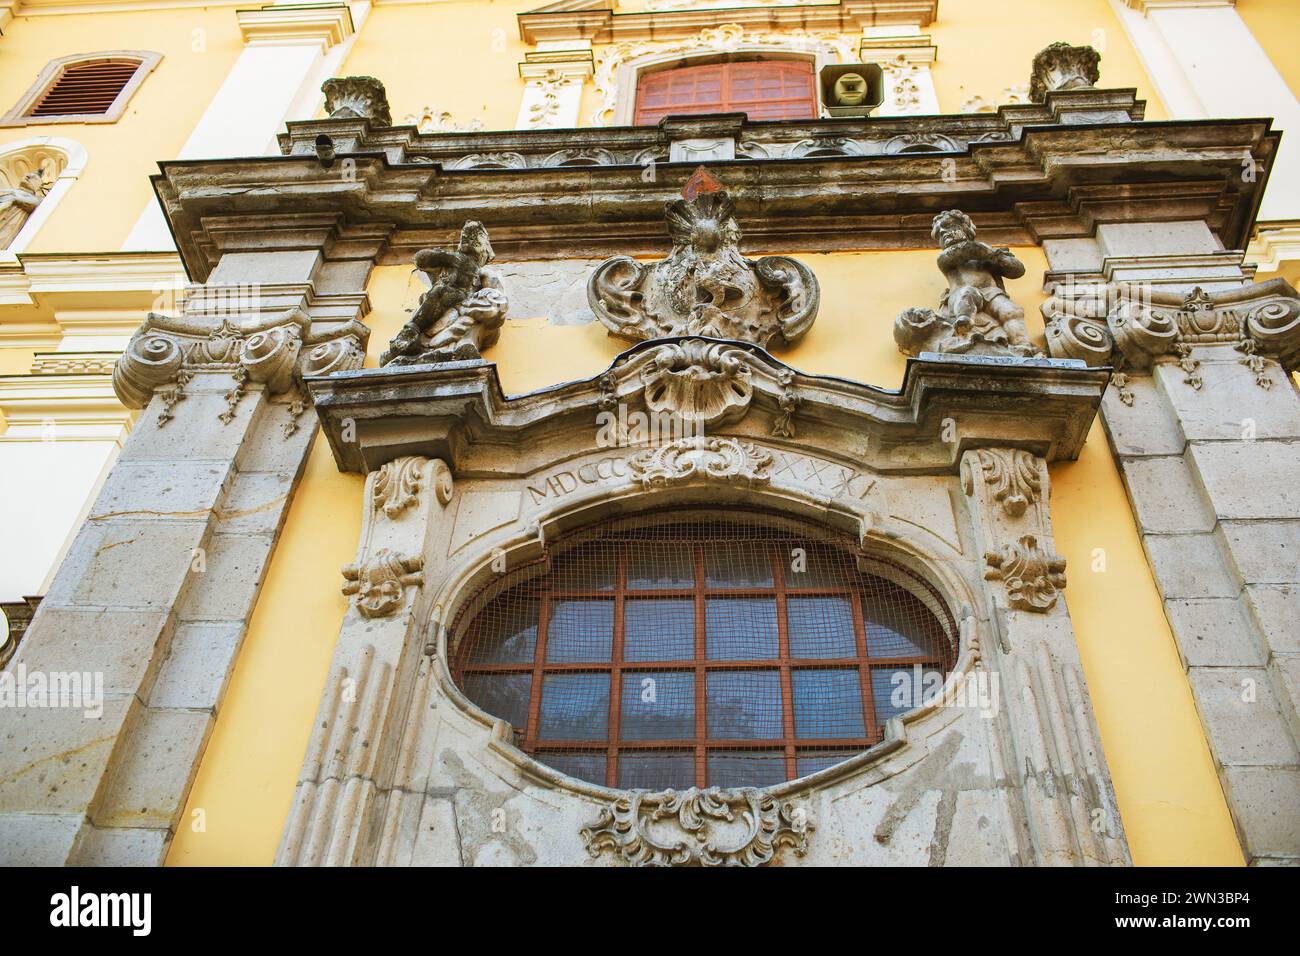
point(697, 380)
point(705, 287)
point(713, 827)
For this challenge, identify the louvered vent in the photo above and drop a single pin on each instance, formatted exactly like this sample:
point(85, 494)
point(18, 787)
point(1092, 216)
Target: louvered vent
point(87, 88)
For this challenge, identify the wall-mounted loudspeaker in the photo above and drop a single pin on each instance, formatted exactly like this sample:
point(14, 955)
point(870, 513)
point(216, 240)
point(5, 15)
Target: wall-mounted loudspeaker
point(852, 89)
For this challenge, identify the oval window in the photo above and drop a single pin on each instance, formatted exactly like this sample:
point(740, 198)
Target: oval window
point(678, 650)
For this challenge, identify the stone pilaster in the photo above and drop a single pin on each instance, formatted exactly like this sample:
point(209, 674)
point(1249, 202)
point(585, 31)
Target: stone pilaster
point(1057, 761)
point(152, 602)
point(1204, 420)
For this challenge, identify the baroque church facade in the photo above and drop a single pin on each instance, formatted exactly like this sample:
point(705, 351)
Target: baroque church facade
point(749, 433)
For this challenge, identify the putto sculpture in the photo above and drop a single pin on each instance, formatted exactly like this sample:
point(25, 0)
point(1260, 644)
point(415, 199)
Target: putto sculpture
point(976, 315)
point(17, 204)
point(705, 287)
point(463, 311)
point(1063, 66)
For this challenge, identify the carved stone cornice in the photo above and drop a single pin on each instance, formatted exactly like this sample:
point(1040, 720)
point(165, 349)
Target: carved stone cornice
point(1132, 326)
point(597, 21)
point(458, 412)
point(1019, 187)
point(274, 351)
point(695, 827)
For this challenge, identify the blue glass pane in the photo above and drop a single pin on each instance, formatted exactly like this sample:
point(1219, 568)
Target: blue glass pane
point(737, 565)
point(744, 705)
point(506, 632)
point(741, 629)
point(811, 761)
point(575, 707)
point(656, 769)
point(580, 632)
point(585, 765)
point(658, 706)
point(821, 627)
point(897, 690)
point(660, 566)
point(746, 768)
point(900, 626)
point(658, 630)
point(501, 695)
point(828, 704)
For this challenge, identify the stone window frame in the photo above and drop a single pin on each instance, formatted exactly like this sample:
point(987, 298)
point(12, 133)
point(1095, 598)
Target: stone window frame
point(74, 159)
point(474, 563)
point(17, 116)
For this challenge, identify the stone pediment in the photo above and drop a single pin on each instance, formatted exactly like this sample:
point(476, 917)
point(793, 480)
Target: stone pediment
point(458, 412)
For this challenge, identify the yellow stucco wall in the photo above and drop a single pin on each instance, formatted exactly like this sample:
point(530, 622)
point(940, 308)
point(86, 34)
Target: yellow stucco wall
point(1169, 796)
point(1276, 24)
point(199, 46)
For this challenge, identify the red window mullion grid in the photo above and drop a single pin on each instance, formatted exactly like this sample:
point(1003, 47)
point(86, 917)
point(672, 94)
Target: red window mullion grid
point(613, 746)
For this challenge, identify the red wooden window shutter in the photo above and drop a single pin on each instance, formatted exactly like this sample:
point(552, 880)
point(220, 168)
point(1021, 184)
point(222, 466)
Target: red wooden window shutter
point(764, 89)
point(86, 88)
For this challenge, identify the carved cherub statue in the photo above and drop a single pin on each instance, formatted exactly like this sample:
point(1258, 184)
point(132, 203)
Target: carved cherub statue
point(463, 311)
point(975, 313)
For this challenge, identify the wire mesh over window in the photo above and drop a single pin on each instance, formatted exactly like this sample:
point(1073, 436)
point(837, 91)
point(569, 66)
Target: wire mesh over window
point(680, 649)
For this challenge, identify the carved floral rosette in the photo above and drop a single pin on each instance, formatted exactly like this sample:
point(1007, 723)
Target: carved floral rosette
point(1033, 575)
point(698, 827)
point(379, 583)
point(728, 460)
point(705, 287)
point(276, 351)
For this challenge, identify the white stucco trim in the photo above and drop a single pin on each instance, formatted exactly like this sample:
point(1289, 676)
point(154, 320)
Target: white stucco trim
point(75, 159)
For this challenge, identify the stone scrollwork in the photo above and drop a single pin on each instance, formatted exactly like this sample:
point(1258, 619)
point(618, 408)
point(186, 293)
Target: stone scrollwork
point(698, 381)
point(1062, 66)
point(698, 827)
point(397, 484)
point(1033, 575)
point(379, 583)
point(165, 354)
point(705, 286)
point(976, 315)
point(352, 97)
point(1132, 327)
point(720, 459)
point(1012, 474)
point(463, 311)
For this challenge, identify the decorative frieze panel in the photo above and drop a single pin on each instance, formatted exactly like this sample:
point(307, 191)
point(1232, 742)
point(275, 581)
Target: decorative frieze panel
point(705, 286)
point(698, 827)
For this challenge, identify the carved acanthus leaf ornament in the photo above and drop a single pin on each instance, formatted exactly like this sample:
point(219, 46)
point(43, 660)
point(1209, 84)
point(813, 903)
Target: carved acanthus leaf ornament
point(379, 583)
point(719, 459)
point(1032, 575)
point(1062, 66)
point(1012, 473)
point(705, 287)
point(353, 97)
point(695, 827)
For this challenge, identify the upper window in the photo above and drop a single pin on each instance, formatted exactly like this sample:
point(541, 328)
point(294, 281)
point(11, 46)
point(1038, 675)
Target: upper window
point(84, 88)
point(690, 651)
point(764, 89)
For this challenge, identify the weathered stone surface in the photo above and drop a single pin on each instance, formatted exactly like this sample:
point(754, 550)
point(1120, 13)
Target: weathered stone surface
point(226, 589)
point(198, 664)
point(134, 846)
point(1250, 479)
point(118, 644)
point(1276, 611)
point(1213, 632)
point(1263, 552)
point(1242, 717)
point(1265, 801)
point(138, 563)
point(1166, 497)
point(555, 291)
point(53, 759)
point(1229, 406)
point(141, 490)
point(257, 503)
point(153, 773)
point(1147, 426)
point(37, 839)
point(1189, 566)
